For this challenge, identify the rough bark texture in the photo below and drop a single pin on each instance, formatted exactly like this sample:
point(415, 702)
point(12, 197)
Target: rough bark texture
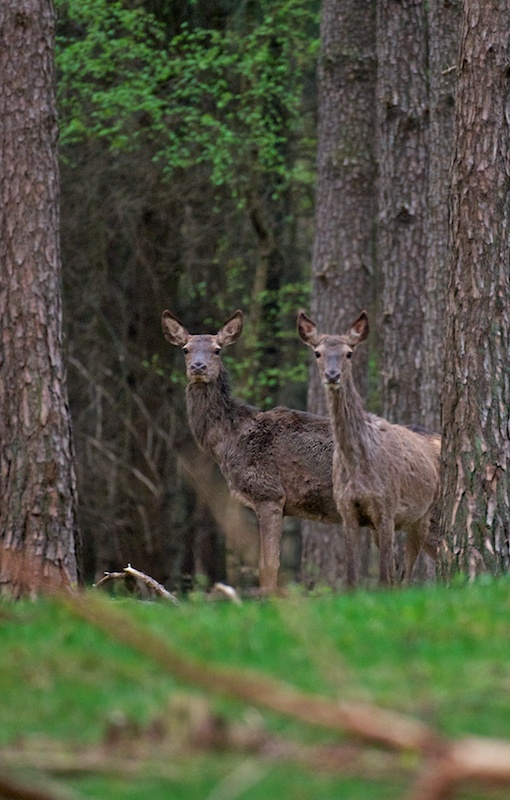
point(476, 390)
point(342, 276)
point(403, 123)
point(38, 532)
point(443, 19)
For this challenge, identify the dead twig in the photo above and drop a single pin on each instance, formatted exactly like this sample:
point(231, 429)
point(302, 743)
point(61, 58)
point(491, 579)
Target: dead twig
point(227, 591)
point(152, 585)
point(469, 760)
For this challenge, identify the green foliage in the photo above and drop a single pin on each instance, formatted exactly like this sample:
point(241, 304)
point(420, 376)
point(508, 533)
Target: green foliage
point(442, 655)
point(254, 379)
point(224, 98)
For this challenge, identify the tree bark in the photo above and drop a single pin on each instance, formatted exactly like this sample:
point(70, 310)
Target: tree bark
point(403, 128)
point(38, 530)
point(476, 390)
point(443, 24)
point(345, 206)
point(342, 271)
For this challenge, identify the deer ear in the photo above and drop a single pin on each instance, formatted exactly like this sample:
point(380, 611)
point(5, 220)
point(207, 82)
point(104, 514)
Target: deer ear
point(231, 330)
point(307, 330)
point(358, 331)
point(173, 330)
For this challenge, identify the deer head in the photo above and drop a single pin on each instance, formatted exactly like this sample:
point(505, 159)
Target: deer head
point(202, 352)
point(333, 353)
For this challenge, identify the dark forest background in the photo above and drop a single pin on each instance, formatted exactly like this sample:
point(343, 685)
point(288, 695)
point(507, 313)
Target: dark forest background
point(188, 152)
point(270, 156)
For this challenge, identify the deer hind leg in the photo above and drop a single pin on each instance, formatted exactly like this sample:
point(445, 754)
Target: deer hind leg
point(431, 543)
point(416, 539)
point(270, 519)
point(386, 535)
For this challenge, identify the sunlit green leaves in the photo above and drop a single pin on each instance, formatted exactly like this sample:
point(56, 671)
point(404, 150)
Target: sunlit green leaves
point(230, 99)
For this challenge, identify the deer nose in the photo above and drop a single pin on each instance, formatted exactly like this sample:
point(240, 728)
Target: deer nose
point(332, 375)
point(198, 367)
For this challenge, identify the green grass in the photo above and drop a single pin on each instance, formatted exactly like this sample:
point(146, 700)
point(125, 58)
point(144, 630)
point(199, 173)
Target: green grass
point(437, 654)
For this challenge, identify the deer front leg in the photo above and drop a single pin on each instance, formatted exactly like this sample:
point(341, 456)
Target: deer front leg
point(270, 518)
point(351, 539)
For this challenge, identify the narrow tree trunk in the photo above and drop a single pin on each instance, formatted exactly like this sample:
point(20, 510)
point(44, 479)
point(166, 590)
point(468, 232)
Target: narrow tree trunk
point(38, 530)
point(476, 390)
point(402, 105)
point(443, 18)
point(342, 273)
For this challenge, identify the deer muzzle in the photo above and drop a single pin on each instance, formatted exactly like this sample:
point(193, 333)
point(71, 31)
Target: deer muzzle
point(332, 376)
point(197, 370)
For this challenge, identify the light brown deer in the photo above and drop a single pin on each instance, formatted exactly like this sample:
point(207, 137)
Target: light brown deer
point(384, 475)
point(277, 462)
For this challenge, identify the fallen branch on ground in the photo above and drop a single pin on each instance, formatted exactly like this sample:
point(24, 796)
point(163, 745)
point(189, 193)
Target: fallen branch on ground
point(227, 591)
point(13, 789)
point(446, 764)
point(142, 580)
point(388, 728)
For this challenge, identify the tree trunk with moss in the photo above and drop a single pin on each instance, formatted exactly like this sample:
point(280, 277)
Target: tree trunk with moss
point(475, 490)
point(342, 272)
point(38, 529)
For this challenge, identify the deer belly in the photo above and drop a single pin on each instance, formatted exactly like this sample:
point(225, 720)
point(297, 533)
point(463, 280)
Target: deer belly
point(412, 507)
point(409, 514)
point(311, 502)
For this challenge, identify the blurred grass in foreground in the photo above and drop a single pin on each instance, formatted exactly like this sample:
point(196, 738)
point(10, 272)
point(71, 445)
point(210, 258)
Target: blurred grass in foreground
point(99, 719)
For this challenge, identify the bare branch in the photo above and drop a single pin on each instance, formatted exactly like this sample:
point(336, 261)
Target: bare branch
point(367, 722)
point(12, 789)
point(227, 591)
point(111, 456)
point(154, 587)
point(447, 764)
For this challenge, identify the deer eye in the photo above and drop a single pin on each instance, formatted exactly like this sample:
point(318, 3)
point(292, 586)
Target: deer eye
point(317, 354)
point(349, 354)
point(217, 350)
point(185, 351)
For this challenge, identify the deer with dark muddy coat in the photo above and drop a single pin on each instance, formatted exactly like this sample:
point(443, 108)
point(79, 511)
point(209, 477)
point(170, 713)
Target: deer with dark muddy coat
point(385, 476)
point(277, 462)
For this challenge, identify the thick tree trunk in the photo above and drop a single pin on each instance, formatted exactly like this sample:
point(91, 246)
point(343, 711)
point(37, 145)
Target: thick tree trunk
point(402, 136)
point(476, 390)
point(38, 531)
point(342, 277)
point(443, 18)
point(345, 207)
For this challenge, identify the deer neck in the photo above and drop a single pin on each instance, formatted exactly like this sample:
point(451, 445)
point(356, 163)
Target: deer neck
point(349, 424)
point(212, 411)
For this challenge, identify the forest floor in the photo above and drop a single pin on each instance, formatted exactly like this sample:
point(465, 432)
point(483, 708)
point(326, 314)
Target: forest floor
point(285, 698)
